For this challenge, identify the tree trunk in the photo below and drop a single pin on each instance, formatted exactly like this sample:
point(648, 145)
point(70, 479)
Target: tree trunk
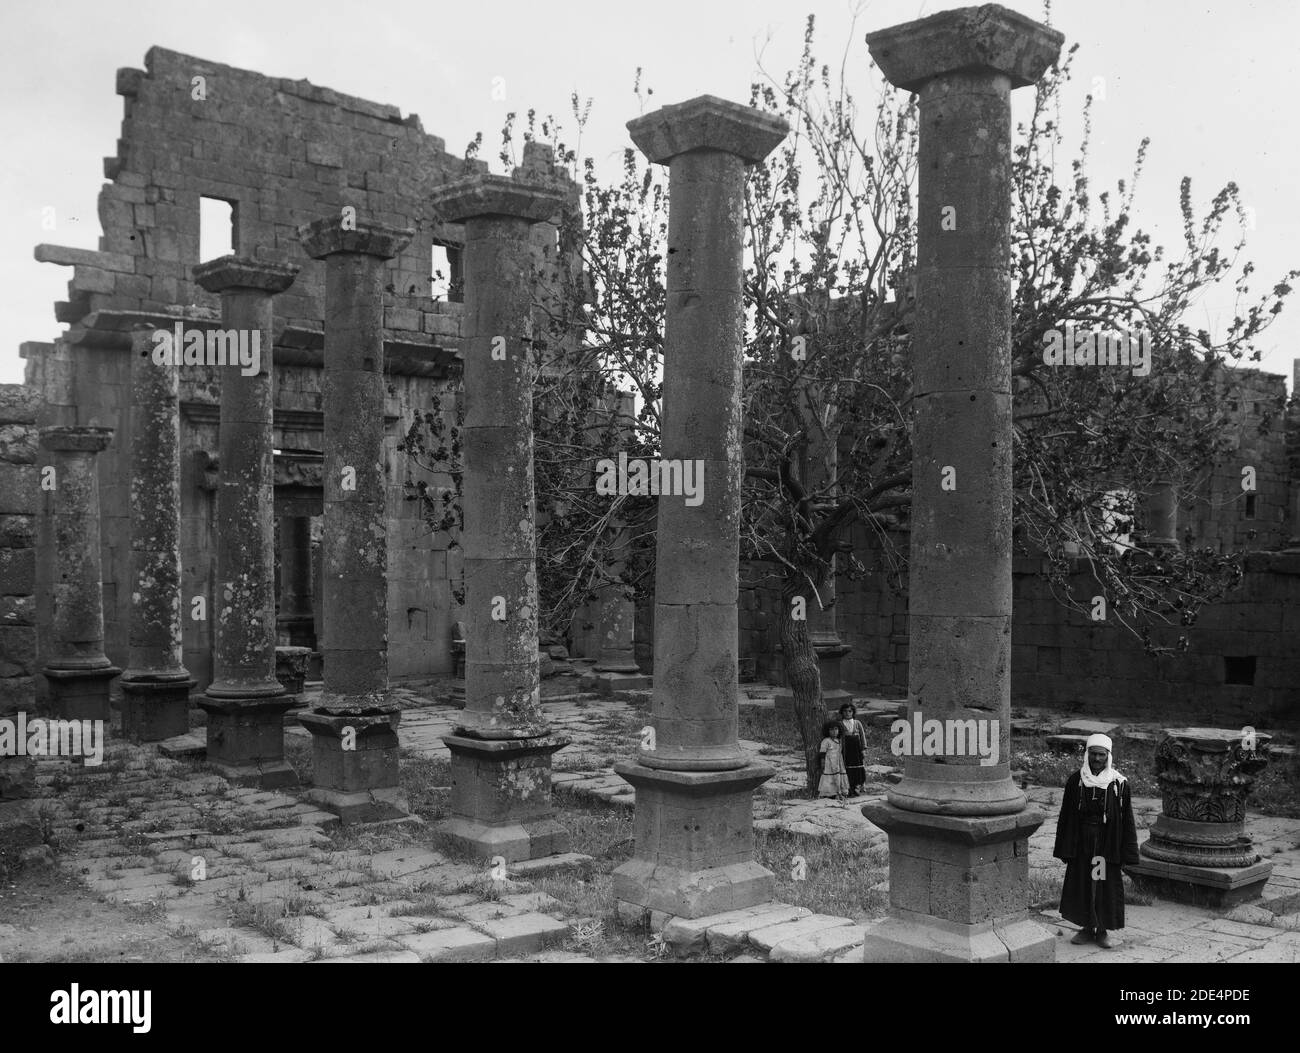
point(803, 676)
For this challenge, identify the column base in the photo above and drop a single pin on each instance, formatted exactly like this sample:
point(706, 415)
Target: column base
point(1203, 886)
point(355, 772)
point(81, 694)
point(606, 682)
point(958, 888)
point(501, 797)
point(154, 709)
point(907, 937)
point(246, 740)
point(694, 843)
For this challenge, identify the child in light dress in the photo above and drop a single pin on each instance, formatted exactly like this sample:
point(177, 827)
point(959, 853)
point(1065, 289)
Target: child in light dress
point(835, 780)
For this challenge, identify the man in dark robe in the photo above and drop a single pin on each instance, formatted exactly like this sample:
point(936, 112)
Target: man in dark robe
point(1095, 837)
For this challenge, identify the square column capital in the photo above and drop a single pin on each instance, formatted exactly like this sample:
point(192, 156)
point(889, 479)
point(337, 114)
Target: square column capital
point(227, 273)
point(495, 195)
point(707, 123)
point(989, 38)
point(329, 237)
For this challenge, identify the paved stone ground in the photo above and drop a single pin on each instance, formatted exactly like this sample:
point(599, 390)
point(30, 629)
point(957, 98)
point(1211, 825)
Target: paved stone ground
point(262, 876)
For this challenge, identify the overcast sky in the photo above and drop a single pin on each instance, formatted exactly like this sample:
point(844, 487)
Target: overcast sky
point(1213, 84)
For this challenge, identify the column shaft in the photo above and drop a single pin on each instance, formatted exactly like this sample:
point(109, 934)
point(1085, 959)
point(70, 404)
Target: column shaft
point(501, 750)
point(694, 784)
point(78, 671)
point(354, 728)
point(155, 685)
point(245, 702)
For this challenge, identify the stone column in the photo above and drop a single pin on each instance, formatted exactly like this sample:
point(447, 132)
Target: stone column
point(1162, 517)
point(958, 825)
point(354, 727)
point(501, 747)
point(78, 671)
point(296, 623)
point(694, 811)
point(245, 702)
point(1199, 850)
point(616, 668)
point(156, 685)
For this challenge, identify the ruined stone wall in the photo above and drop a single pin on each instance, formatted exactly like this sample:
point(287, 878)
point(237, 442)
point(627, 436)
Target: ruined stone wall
point(1064, 660)
point(1221, 518)
point(282, 153)
point(18, 503)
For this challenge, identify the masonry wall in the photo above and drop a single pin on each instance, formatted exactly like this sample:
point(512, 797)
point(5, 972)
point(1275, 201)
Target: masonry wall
point(1064, 660)
point(18, 501)
point(282, 153)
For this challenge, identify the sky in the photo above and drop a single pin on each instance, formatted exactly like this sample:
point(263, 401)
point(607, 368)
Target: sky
point(1213, 84)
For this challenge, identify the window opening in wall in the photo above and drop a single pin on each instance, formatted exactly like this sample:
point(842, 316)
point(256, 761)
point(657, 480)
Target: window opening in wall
point(216, 229)
point(447, 281)
point(440, 276)
point(1239, 670)
point(1250, 506)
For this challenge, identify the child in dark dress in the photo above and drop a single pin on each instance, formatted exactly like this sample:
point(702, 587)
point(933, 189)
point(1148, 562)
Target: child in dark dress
point(853, 740)
point(1095, 836)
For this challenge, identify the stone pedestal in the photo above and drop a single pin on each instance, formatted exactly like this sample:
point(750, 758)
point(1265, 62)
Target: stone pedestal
point(958, 889)
point(615, 668)
point(694, 789)
point(245, 703)
point(501, 796)
point(354, 561)
point(355, 765)
point(156, 685)
point(502, 745)
point(78, 671)
point(958, 824)
point(694, 843)
point(246, 739)
point(1198, 850)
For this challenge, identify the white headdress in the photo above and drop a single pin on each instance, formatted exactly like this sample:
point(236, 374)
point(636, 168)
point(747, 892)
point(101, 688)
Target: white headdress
point(1108, 774)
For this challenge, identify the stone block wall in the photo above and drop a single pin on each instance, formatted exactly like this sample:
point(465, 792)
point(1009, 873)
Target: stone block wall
point(1242, 665)
point(282, 153)
point(19, 495)
point(1221, 518)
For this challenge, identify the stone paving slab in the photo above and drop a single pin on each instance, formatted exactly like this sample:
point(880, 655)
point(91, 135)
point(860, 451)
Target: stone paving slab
point(820, 946)
point(772, 936)
point(524, 933)
point(460, 944)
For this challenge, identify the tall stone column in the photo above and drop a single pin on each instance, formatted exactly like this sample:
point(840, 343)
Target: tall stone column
point(958, 825)
point(616, 668)
point(78, 671)
point(501, 747)
point(354, 727)
point(694, 811)
point(156, 685)
point(296, 622)
point(245, 702)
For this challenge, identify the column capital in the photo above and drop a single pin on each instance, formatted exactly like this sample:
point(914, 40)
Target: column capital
point(76, 438)
point(328, 237)
point(494, 195)
point(707, 123)
point(227, 273)
point(990, 38)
